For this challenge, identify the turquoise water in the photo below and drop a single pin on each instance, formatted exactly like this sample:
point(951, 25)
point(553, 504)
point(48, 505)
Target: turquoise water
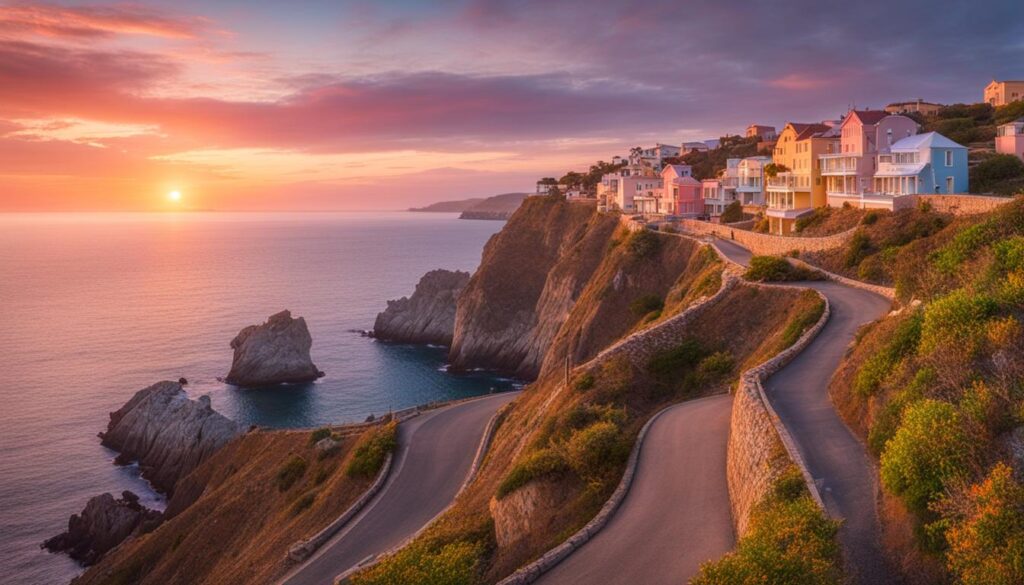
point(95, 307)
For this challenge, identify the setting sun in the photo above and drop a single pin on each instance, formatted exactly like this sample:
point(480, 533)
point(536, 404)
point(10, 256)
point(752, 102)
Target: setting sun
point(174, 196)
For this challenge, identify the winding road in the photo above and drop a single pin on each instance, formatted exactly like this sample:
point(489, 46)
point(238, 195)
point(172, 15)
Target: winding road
point(436, 451)
point(676, 514)
point(841, 467)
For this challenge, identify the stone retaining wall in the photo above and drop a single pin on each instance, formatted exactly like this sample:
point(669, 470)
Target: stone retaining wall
point(954, 204)
point(766, 244)
point(885, 291)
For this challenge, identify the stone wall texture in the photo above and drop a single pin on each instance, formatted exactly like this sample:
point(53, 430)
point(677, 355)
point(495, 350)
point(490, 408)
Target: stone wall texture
point(954, 204)
point(765, 244)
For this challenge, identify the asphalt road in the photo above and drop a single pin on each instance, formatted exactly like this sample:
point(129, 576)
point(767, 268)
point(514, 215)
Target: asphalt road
point(676, 514)
point(838, 461)
point(436, 451)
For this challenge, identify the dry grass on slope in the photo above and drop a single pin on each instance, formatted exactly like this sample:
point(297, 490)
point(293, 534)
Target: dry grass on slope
point(826, 221)
point(566, 446)
point(240, 528)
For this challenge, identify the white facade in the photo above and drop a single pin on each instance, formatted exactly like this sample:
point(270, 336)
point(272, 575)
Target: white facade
point(750, 184)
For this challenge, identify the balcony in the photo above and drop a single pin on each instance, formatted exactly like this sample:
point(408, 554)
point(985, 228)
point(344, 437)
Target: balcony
point(789, 182)
point(749, 185)
point(839, 164)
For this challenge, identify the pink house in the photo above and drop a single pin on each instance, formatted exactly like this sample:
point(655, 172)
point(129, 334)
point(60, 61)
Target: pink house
point(1010, 138)
point(681, 192)
point(849, 173)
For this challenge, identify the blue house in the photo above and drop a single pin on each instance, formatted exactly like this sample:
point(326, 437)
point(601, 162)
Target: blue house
point(923, 163)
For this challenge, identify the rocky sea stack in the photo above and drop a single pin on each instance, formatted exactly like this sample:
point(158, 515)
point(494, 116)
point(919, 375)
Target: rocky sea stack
point(276, 352)
point(103, 524)
point(167, 433)
point(428, 316)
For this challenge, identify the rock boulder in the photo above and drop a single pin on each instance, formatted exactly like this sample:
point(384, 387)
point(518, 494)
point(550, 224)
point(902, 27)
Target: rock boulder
point(428, 316)
point(276, 352)
point(103, 524)
point(167, 433)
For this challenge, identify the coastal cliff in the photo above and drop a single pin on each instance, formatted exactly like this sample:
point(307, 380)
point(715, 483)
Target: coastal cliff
point(276, 352)
point(167, 433)
point(530, 276)
point(428, 316)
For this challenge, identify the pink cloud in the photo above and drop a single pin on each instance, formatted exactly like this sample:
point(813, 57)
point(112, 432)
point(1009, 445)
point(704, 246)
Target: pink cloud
point(95, 21)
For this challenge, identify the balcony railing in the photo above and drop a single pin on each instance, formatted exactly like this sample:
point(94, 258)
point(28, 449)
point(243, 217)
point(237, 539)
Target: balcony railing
point(838, 163)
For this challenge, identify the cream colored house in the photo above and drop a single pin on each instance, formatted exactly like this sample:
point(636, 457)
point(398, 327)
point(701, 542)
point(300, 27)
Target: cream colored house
point(797, 191)
point(1000, 93)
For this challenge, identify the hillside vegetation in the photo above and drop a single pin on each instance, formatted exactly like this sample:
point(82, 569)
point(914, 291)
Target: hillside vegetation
point(937, 392)
point(235, 517)
point(561, 449)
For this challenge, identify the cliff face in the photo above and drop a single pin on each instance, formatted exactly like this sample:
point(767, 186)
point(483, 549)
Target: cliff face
point(428, 316)
point(530, 276)
point(167, 433)
point(276, 352)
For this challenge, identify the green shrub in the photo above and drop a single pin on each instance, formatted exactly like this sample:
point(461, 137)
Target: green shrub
point(957, 320)
point(323, 473)
point(584, 382)
point(903, 342)
point(371, 451)
point(291, 472)
point(929, 452)
point(455, 563)
point(994, 171)
point(870, 218)
point(646, 304)
point(673, 362)
point(732, 213)
point(888, 419)
point(716, 365)
point(542, 463)
point(582, 415)
point(319, 435)
point(789, 542)
point(302, 504)
point(967, 241)
point(594, 449)
point(871, 269)
point(799, 324)
point(774, 268)
point(643, 243)
point(858, 249)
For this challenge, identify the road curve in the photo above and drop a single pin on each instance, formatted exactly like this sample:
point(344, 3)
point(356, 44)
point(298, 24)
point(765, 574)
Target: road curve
point(676, 514)
point(436, 451)
point(842, 468)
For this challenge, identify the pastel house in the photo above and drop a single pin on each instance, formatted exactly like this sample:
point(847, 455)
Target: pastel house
point(849, 173)
point(924, 163)
point(1010, 138)
point(750, 180)
point(681, 193)
point(719, 192)
point(799, 189)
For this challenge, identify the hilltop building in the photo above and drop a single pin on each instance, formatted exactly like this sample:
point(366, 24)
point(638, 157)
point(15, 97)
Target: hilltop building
point(654, 156)
point(1000, 93)
point(1010, 138)
point(764, 133)
point(919, 106)
point(688, 147)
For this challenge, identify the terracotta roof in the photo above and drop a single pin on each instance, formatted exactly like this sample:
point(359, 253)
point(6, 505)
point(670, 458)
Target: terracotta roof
point(812, 130)
point(869, 116)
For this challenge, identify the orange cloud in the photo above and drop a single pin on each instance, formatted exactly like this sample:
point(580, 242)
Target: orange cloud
point(95, 21)
point(799, 81)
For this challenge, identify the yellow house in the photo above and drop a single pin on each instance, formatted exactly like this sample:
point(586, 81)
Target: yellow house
point(798, 190)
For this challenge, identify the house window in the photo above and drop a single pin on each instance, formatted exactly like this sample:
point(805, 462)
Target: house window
point(950, 185)
point(949, 158)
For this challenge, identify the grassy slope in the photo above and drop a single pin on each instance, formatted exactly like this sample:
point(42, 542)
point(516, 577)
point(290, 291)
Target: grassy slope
point(825, 221)
point(950, 369)
point(240, 528)
point(552, 419)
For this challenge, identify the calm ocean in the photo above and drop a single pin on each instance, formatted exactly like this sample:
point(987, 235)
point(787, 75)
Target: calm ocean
point(95, 307)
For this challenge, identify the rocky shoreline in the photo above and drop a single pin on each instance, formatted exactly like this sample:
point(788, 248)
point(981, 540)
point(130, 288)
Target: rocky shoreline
point(103, 524)
point(428, 316)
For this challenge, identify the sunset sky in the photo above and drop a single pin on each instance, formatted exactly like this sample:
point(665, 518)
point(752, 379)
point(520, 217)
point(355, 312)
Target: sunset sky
point(383, 105)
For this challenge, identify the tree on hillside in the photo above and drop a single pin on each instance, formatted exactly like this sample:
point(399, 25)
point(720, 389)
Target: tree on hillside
point(572, 179)
point(773, 169)
point(1002, 174)
point(706, 165)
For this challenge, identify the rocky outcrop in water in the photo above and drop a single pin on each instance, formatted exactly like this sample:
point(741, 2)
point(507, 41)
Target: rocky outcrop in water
point(428, 316)
point(276, 352)
point(103, 524)
point(167, 433)
point(529, 278)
